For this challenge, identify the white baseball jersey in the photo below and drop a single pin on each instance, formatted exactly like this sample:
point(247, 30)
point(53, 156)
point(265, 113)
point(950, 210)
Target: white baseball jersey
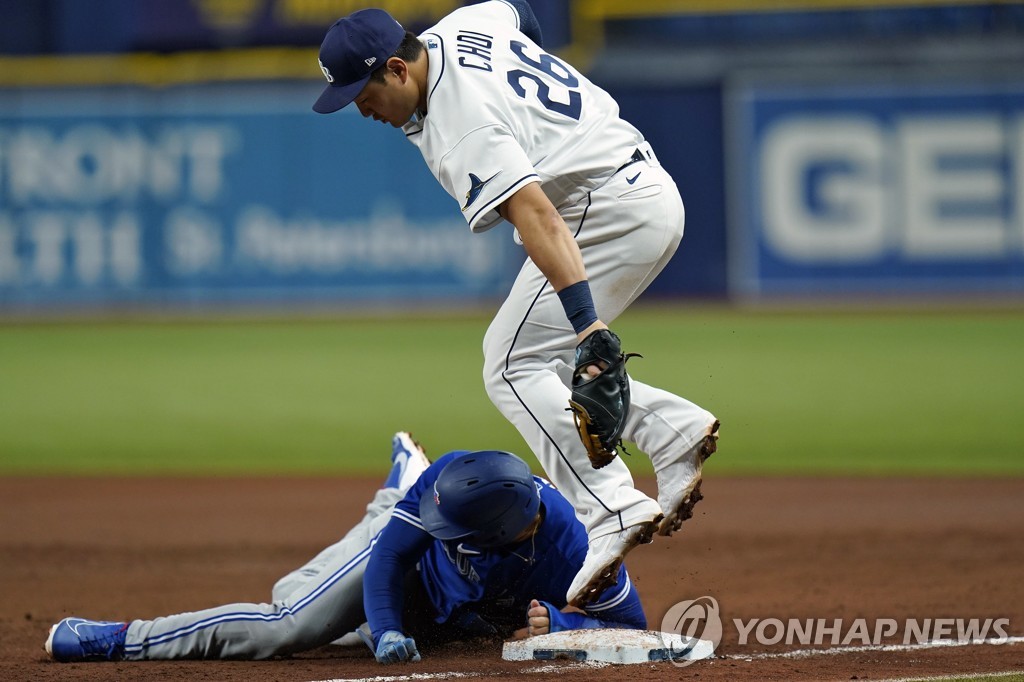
point(502, 113)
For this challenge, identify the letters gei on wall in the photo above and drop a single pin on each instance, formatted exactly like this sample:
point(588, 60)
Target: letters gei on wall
point(879, 189)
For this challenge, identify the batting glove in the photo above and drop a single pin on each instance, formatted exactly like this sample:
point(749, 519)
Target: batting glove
point(394, 647)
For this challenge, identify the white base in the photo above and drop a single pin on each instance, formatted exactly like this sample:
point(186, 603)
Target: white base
point(609, 646)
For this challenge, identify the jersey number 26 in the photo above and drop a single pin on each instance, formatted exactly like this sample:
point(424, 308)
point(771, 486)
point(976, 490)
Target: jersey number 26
point(553, 68)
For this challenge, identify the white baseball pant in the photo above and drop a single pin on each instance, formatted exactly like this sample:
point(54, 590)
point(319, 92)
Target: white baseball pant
point(627, 232)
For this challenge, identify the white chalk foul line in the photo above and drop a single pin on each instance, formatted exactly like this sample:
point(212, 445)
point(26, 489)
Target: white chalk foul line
point(957, 676)
point(564, 667)
point(837, 650)
point(411, 676)
point(798, 653)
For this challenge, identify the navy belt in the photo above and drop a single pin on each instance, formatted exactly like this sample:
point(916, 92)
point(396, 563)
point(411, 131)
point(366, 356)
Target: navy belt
point(637, 156)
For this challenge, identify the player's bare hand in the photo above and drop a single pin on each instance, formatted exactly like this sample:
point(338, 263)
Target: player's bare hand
point(595, 369)
point(598, 324)
point(537, 619)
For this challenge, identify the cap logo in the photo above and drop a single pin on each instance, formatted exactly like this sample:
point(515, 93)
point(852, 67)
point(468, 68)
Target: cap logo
point(370, 61)
point(327, 74)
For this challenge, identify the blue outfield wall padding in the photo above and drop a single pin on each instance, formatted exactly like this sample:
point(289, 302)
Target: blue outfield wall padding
point(225, 194)
point(684, 125)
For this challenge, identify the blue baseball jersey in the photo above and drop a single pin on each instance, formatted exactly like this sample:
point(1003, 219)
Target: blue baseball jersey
point(457, 576)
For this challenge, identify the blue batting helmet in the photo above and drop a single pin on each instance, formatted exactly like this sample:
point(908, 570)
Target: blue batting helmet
point(486, 498)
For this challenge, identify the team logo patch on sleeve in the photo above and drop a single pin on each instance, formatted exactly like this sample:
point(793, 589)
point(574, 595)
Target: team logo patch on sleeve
point(476, 185)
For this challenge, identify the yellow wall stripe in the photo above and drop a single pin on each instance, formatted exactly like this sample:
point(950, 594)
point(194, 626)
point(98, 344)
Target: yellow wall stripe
point(287, 63)
point(616, 9)
point(159, 70)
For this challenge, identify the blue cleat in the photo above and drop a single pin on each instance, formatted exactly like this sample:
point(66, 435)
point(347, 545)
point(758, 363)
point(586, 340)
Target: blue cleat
point(408, 462)
point(78, 639)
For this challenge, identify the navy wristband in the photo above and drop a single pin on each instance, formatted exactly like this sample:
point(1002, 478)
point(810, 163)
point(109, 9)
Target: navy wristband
point(578, 305)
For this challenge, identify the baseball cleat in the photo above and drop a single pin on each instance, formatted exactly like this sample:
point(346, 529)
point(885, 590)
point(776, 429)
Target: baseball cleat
point(78, 639)
point(679, 483)
point(408, 461)
point(604, 556)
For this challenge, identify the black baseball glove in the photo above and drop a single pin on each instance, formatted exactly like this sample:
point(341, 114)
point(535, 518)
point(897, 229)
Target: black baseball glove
point(600, 403)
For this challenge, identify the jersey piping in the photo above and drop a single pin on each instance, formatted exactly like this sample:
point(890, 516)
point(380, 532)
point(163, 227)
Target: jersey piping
point(440, 75)
point(501, 197)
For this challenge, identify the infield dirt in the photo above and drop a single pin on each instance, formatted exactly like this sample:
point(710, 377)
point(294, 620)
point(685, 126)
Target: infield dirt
point(120, 548)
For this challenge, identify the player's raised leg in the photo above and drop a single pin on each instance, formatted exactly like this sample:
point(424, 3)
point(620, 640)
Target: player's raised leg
point(676, 434)
point(528, 362)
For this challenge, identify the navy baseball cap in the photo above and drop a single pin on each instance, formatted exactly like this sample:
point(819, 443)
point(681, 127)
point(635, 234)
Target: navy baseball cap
point(353, 48)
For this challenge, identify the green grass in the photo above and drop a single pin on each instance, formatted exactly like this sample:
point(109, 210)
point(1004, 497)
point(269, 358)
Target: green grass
point(922, 393)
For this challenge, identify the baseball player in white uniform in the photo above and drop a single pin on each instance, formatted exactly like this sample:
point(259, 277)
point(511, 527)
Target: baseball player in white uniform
point(516, 134)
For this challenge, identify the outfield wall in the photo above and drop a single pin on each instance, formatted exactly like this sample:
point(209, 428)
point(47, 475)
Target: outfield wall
point(224, 194)
point(858, 185)
point(240, 194)
point(203, 178)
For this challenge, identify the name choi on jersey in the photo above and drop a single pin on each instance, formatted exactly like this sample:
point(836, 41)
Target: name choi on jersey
point(477, 46)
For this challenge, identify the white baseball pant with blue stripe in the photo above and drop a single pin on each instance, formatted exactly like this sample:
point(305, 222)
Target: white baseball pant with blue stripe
point(310, 607)
point(627, 230)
